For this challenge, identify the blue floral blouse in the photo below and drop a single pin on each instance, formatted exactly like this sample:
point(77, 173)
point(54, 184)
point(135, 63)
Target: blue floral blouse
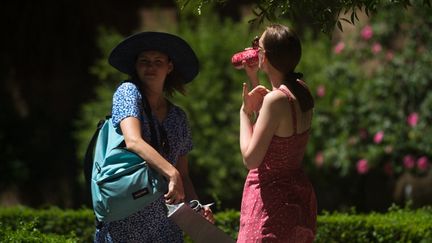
point(151, 223)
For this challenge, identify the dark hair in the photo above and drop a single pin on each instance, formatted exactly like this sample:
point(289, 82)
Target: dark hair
point(174, 82)
point(283, 50)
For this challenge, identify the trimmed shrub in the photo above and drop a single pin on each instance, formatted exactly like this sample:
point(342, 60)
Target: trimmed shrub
point(72, 224)
point(26, 232)
point(398, 225)
point(54, 225)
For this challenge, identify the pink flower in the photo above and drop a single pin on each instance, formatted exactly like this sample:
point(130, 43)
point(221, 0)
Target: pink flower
point(362, 166)
point(423, 163)
point(412, 119)
point(319, 159)
point(367, 32)
point(339, 47)
point(409, 161)
point(376, 48)
point(378, 137)
point(320, 90)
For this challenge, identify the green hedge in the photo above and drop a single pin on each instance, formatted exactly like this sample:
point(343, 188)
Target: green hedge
point(21, 224)
point(397, 225)
point(26, 232)
point(76, 225)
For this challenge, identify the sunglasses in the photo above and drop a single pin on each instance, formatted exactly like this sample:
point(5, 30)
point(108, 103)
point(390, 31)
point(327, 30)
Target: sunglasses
point(255, 43)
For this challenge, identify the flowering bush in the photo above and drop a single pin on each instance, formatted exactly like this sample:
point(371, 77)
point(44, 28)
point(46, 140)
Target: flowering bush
point(373, 104)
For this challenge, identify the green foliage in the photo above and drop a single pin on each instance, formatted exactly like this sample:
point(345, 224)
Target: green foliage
point(27, 233)
point(324, 14)
point(376, 87)
point(398, 225)
point(228, 221)
point(20, 224)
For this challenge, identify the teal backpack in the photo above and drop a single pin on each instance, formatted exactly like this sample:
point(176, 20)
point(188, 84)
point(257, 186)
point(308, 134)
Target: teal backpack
point(121, 182)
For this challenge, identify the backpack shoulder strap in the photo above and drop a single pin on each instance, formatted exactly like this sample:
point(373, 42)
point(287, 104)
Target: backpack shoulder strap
point(146, 106)
point(89, 154)
point(147, 110)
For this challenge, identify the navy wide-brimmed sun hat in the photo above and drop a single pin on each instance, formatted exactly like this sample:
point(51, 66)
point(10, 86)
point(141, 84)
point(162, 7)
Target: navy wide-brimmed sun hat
point(123, 56)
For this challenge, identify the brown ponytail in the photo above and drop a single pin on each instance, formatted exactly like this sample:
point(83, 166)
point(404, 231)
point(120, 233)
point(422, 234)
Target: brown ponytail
point(283, 50)
point(300, 90)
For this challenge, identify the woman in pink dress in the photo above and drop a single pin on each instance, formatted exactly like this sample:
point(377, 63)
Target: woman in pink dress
point(279, 203)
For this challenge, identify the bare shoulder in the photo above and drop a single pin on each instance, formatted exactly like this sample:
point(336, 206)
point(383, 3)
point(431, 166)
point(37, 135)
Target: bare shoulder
point(275, 99)
point(274, 96)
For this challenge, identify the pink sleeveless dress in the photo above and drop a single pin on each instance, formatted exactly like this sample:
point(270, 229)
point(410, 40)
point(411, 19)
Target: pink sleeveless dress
point(279, 203)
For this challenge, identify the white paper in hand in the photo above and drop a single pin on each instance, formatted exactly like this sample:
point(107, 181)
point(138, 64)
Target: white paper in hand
point(196, 226)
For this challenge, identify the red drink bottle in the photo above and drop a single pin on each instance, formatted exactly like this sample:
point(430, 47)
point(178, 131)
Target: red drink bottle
point(249, 54)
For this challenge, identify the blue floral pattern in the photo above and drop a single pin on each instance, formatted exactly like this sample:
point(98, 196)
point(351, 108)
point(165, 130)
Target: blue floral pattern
point(151, 223)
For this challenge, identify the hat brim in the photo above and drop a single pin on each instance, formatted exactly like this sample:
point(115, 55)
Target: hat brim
point(123, 56)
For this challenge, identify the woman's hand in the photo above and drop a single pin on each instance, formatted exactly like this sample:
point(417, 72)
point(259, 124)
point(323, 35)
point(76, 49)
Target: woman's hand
point(207, 214)
point(175, 194)
point(252, 100)
point(131, 128)
point(252, 73)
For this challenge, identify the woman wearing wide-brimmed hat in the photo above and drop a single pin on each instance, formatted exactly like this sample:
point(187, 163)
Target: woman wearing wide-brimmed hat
point(158, 64)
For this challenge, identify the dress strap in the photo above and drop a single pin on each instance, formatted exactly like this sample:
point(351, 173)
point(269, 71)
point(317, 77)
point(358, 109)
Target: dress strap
point(291, 101)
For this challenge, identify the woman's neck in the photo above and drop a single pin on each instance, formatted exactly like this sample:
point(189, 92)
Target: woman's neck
point(276, 79)
point(157, 101)
point(155, 97)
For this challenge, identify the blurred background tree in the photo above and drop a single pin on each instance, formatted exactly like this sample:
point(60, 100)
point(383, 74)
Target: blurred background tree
point(371, 118)
point(319, 15)
point(358, 141)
